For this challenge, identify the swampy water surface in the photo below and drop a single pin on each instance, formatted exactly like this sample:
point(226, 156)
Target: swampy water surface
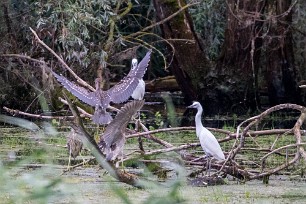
point(32, 169)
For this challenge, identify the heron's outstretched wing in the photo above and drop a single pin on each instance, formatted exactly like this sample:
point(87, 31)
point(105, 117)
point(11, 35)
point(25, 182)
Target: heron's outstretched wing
point(113, 152)
point(78, 91)
point(123, 90)
point(141, 68)
point(114, 132)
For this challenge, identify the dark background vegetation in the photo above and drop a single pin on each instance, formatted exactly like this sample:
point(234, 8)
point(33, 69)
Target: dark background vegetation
point(234, 56)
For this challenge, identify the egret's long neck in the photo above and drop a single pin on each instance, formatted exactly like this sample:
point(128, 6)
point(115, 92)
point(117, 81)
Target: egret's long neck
point(198, 119)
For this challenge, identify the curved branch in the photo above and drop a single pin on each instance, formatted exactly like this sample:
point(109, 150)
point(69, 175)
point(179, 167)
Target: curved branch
point(81, 81)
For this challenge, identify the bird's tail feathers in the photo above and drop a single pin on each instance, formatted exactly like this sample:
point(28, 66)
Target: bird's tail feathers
point(101, 117)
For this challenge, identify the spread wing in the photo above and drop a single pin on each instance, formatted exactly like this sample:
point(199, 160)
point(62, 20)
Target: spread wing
point(114, 132)
point(79, 92)
point(123, 90)
point(140, 70)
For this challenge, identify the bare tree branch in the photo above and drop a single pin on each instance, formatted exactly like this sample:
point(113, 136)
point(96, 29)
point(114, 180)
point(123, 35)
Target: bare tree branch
point(81, 81)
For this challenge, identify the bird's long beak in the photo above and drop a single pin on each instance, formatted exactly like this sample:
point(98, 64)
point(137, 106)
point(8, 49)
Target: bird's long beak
point(189, 106)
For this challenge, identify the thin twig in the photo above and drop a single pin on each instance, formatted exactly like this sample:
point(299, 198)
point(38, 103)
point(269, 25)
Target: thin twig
point(164, 20)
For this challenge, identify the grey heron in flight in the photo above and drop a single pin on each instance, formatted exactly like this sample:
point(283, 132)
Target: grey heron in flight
point(113, 138)
point(101, 99)
point(209, 143)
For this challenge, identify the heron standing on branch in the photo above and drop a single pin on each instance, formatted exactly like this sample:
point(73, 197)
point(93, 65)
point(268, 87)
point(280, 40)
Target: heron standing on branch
point(113, 139)
point(101, 99)
point(209, 143)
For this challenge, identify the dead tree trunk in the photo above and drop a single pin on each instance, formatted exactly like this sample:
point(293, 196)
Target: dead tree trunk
point(281, 74)
point(235, 84)
point(190, 64)
point(257, 36)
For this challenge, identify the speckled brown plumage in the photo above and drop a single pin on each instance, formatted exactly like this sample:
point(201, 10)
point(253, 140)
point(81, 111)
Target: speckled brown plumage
point(100, 99)
point(74, 144)
point(113, 139)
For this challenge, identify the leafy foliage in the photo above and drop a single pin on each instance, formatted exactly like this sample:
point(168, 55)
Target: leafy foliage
point(76, 28)
point(84, 33)
point(209, 20)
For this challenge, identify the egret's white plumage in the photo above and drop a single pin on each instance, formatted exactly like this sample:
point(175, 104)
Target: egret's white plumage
point(139, 92)
point(208, 141)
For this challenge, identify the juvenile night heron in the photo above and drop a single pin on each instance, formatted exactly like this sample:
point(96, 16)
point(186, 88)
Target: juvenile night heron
point(209, 143)
point(113, 139)
point(74, 145)
point(101, 99)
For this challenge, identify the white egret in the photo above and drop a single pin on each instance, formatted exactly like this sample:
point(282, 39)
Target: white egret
point(139, 92)
point(100, 99)
point(209, 143)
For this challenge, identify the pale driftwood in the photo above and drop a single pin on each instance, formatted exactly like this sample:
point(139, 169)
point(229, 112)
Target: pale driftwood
point(296, 130)
point(18, 112)
point(280, 148)
point(81, 110)
point(256, 119)
point(229, 135)
point(170, 149)
point(228, 167)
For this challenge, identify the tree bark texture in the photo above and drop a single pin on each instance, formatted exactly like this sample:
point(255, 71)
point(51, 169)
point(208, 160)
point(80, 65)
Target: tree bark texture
point(281, 73)
point(235, 85)
point(190, 64)
point(257, 52)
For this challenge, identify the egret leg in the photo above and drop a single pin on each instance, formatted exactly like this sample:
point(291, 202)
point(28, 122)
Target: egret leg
point(69, 160)
point(206, 167)
point(122, 159)
point(209, 166)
